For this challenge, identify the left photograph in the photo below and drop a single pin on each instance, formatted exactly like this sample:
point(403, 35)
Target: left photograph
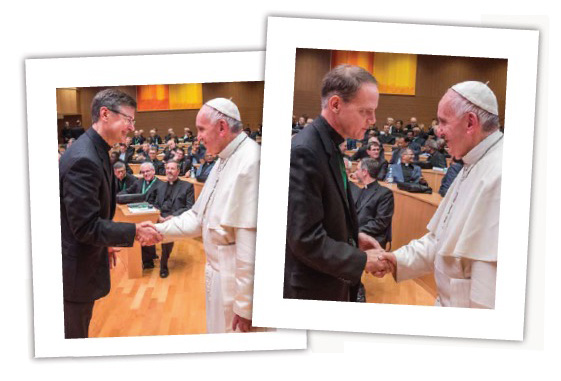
point(143, 239)
point(154, 207)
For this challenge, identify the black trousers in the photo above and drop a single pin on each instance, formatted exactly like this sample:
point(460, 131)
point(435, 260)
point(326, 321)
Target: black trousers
point(166, 251)
point(77, 317)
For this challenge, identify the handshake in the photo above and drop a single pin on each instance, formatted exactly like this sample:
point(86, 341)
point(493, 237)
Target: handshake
point(147, 234)
point(378, 261)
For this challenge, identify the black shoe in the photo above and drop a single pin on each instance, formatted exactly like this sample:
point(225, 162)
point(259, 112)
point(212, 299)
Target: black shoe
point(147, 265)
point(164, 272)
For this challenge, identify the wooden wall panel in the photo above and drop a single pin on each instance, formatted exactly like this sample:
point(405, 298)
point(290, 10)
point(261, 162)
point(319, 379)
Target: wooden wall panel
point(247, 95)
point(435, 74)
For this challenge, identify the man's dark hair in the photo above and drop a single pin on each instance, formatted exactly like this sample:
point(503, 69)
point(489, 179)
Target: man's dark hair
point(344, 81)
point(372, 167)
point(119, 164)
point(172, 161)
point(112, 99)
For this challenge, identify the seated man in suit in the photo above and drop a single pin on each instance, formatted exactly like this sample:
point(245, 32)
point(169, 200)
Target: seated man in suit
point(173, 198)
point(142, 152)
point(124, 155)
point(171, 136)
point(184, 163)
point(361, 152)
point(385, 136)
point(374, 203)
point(169, 151)
point(204, 169)
point(137, 139)
point(435, 159)
point(114, 158)
point(158, 165)
point(196, 152)
point(130, 148)
point(406, 171)
point(450, 175)
point(154, 138)
point(123, 179)
point(149, 186)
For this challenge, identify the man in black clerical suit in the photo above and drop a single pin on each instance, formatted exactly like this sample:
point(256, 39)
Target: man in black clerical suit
point(87, 206)
point(154, 139)
point(435, 159)
point(204, 169)
point(322, 260)
point(137, 139)
point(374, 203)
point(123, 179)
point(149, 185)
point(174, 197)
point(158, 165)
point(184, 162)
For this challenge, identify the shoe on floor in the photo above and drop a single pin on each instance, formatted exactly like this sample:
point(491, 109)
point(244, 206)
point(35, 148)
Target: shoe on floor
point(147, 265)
point(164, 272)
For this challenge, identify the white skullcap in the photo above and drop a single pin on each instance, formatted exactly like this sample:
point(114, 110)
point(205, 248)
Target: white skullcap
point(226, 107)
point(479, 94)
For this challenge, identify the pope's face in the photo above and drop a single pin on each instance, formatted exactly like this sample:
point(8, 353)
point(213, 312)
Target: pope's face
point(452, 128)
point(209, 133)
point(355, 116)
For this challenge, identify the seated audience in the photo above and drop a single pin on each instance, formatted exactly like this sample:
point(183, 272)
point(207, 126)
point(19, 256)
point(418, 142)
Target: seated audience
point(184, 162)
point(374, 152)
point(435, 158)
point(169, 151)
point(137, 139)
point(158, 165)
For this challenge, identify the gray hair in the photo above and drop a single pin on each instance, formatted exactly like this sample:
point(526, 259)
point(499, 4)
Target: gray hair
point(431, 144)
point(214, 115)
point(147, 164)
point(461, 106)
point(119, 165)
point(372, 166)
point(344, 81)
point(112, 99)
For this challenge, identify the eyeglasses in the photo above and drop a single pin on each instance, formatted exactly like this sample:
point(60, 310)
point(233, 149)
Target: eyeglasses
point(129, 119)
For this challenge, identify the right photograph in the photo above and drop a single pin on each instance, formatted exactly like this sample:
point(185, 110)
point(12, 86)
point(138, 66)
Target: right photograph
point(398, 199)
point(395, 178)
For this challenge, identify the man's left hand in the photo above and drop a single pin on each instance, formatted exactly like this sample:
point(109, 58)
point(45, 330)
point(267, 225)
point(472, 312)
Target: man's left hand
point(243, 324)
point(112, 256)
point(365, 242)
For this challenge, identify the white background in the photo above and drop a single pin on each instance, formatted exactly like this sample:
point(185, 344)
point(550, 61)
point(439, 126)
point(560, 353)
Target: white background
point(74, 29)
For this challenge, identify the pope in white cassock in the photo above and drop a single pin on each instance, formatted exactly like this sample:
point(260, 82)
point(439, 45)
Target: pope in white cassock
point(462, 243)
point(225, 214)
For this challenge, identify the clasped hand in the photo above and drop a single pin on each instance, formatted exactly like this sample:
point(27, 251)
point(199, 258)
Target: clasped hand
point(380, 262)
point(147, 234)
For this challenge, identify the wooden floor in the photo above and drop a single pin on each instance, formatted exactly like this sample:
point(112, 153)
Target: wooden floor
point(151, 306)
point(154, 306)
point(387, 291)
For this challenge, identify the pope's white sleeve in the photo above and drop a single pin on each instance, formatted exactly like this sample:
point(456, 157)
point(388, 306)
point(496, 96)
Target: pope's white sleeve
point(416, 258)
point(245, 267)
point(186, 225)
point(483, 284)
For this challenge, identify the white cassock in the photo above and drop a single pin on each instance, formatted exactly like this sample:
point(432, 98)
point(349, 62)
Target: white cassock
point(225, 214)
point(462, 243)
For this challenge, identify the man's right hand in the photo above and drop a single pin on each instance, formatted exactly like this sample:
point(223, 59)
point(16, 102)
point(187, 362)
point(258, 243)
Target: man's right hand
point(379, 263)
point(147, 234)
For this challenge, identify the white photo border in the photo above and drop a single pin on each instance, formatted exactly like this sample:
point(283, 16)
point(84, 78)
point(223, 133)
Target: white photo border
point(43, 77)
point(520, 47)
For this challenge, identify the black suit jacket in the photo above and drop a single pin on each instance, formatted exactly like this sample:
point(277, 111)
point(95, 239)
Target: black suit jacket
point(375, 211)
point(204, 170)
point(322, 261)
point(127, 182)
point(87, 205)
point(182, 196)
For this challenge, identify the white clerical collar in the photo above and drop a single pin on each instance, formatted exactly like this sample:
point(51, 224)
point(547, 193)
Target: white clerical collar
point(479, 150)
point(231, 147)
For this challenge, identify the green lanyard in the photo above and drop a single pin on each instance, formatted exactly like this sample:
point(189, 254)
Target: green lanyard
point(343, 171)
point(144, 185)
